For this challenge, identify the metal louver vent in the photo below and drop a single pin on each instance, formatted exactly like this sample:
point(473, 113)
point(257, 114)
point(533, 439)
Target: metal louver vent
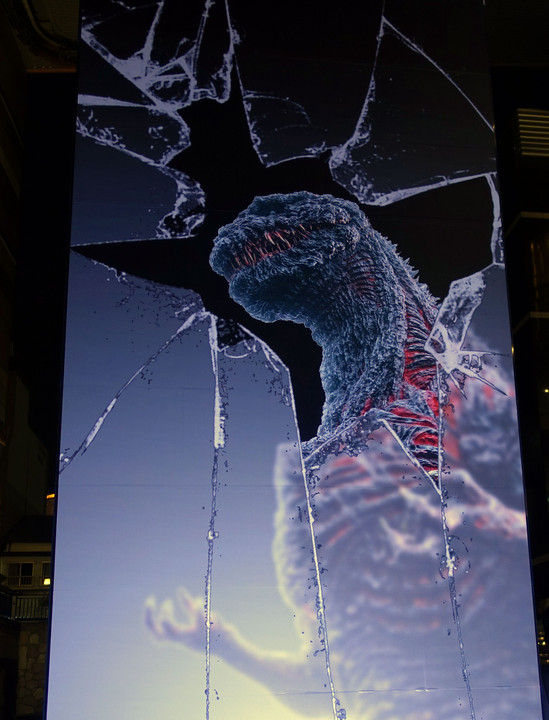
point(533, 133)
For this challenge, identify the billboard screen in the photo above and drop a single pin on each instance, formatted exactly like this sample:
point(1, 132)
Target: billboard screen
point(290, 480)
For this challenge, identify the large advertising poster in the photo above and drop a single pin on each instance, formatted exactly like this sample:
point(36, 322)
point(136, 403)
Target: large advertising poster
point(290, 479)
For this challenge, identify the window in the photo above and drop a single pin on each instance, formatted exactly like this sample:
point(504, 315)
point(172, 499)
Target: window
point(20, 574)
point(45, 578)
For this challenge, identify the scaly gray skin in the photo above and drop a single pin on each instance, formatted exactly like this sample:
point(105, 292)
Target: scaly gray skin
point(316, 260)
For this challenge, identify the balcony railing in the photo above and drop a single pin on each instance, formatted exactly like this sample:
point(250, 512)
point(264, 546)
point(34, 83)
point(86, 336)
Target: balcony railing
point(27, 581)
point(29, 605)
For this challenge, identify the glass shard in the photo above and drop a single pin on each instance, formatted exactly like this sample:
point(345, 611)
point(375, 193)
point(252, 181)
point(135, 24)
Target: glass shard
point(173, 65)
point(143, 132)
point(298, 101)
point(406, 141)
point(446, 341)
point(134, 201)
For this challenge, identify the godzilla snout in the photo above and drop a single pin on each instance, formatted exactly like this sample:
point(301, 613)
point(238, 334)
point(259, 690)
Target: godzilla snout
point(274, 224)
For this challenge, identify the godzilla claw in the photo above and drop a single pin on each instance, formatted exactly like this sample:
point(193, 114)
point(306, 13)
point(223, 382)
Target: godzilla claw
point(162, 622)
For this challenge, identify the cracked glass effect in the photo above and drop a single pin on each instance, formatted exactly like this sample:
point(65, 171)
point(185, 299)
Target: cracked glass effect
point(357, 574)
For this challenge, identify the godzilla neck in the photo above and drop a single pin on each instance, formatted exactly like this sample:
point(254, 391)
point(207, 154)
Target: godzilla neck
point(361, 366)
point(370, 362)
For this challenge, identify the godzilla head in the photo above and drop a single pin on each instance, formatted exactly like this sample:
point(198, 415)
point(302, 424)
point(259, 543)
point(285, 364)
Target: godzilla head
point(278, 255)
point(316, 260)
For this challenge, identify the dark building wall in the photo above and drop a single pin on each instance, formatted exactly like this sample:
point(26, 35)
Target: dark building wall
point(31, 667)
point(9, 655)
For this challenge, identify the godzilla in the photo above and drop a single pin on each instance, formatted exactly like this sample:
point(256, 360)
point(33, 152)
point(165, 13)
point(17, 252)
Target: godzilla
point(388, 528)
point(316, 260)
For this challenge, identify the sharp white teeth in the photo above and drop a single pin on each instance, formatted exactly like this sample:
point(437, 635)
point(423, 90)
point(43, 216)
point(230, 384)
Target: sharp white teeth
point(274, 241)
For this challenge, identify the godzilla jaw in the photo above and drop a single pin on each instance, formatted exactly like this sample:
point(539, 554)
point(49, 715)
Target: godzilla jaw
point(271, 242)
point(250, 247)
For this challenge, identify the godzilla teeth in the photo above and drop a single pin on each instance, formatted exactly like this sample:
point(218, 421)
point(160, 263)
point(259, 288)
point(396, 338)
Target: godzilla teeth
point(272, 242)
